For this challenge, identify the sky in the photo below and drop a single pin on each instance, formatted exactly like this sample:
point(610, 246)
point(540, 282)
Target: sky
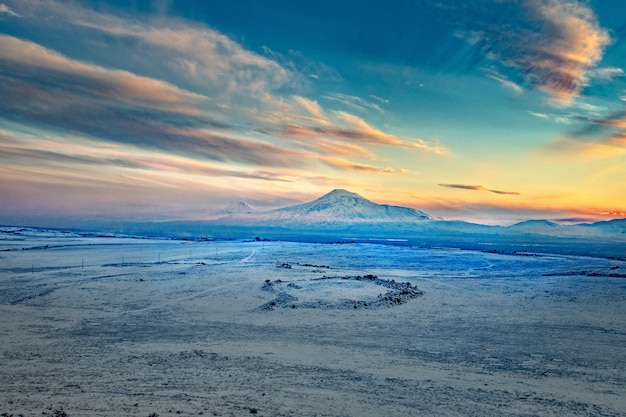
point(491, 111)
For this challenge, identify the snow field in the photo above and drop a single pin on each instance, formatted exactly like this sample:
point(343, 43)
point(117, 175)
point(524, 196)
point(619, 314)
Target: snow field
point(114, 326)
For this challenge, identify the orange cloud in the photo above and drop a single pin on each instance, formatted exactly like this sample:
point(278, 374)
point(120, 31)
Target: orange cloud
point(346, 164)
point(554, 44)
point(478, 188)
point(577, 43)
point(359, 132)
point(362, 130)
point(314, 108)
point(95, 80)
point(55, 157)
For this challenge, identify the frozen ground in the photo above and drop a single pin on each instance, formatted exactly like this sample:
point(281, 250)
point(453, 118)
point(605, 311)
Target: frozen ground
point(114, 326)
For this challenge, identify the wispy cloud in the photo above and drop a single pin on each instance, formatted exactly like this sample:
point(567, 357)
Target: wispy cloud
point(379, 99)
point(355, 166)
point(152, 101)
point(495, 75)
point(608, 74)
point(597, 137)
point(478, 188)
point(553, 44)
point(47, 88)
point(575, 44)
point(53, 155)
point(25, 60)
point(356, 130)
point(4, 9)
point(299, 64)
point(185, 53)
point(610, 146)
point(429, 147)
point(233, 88)
point(314, 109)
point(355, 103)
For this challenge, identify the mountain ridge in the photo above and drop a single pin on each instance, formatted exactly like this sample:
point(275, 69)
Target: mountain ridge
point(343, 208)
point(337, 206)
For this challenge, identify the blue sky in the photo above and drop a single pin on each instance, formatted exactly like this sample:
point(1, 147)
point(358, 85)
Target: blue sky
point(491, 111)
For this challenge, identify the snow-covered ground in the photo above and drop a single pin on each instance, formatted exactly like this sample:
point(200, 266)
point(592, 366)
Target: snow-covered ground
point(111, 326)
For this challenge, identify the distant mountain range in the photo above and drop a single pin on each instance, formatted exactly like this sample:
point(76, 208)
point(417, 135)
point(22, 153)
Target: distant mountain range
point(343, 216)
point(545, 227)
point(338, 206)
point(342, 208)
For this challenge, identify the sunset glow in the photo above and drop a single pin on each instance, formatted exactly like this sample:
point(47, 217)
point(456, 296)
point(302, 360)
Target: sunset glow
point(490, 111)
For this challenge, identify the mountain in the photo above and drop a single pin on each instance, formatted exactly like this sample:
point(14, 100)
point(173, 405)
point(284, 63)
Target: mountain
point(535, 226)
point(238, 208)
point(350, 214)
point(341, 206)
point(534, 223)
point(617, 226)
point(584, 230)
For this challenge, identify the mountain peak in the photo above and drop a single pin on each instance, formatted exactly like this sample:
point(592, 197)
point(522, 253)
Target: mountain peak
point(534, 223)
point(341, 192)
point(240, 207)
point(344, 206)
point(341, 196)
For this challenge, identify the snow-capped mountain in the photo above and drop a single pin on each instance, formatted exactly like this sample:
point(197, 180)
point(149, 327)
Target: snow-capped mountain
point(240, 207)
point(345, 206)
point(338, 206)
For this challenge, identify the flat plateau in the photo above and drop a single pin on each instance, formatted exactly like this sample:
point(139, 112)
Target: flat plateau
point(103, 326)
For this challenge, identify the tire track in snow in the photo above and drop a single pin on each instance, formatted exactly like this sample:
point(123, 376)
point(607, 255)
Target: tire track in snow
point(195, 295)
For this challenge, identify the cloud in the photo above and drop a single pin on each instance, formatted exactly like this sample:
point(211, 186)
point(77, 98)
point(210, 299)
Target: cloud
point(608, 74)
point(186, 53)
point(179, 88)
point(617, 120)
point(553, 44)
point(618, 140)
point(355, 166)
point(365, 132)
point(564, 119)
point(494, 75)
point(609, 146)
point(360, 133)
point(314, 109)
point(478, 188)
point(597, 137)
point(354, 102)
point(4, 9)
point(26, 60)
point(50, 154)
point(379, 99)
point(330, 182)
point(48, 89)
point(428, 147)
point(204, 56)
point(339, 148)
point(299, 64)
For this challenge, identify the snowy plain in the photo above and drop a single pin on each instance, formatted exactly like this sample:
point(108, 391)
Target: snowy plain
point(112, 326)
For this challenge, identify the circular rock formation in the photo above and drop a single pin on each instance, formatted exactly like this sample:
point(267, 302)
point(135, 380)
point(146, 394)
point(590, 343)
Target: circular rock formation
point(339, 292)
